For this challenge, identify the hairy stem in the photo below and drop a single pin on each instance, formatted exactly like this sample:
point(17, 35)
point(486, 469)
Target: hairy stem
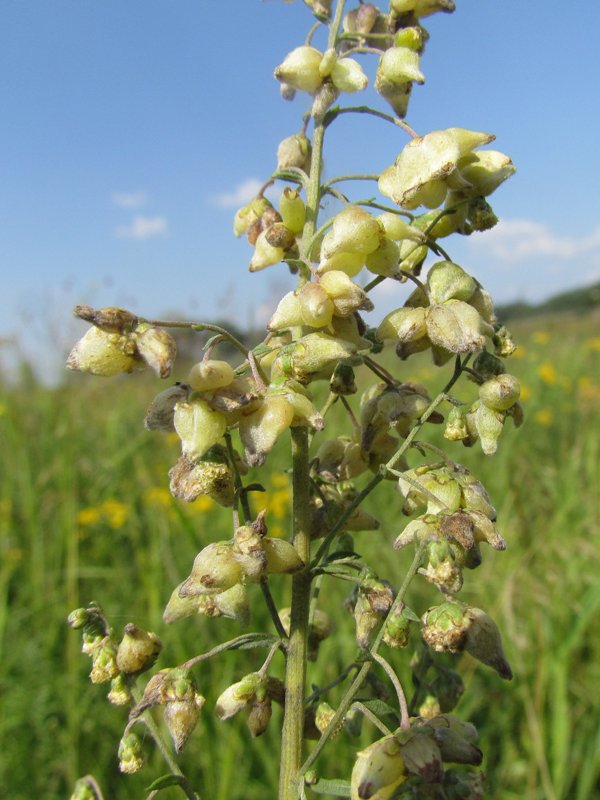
point(295, 675)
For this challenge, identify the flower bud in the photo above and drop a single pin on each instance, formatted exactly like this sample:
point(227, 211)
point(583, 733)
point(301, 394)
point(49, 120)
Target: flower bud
point(485, 424)
point(455, 739)
point(347, 297)
point(503, 342)
point(138, 650)
point(373, 602)
point(397, 628)
point(279, 237)
point(421, 755)
point(189, 479)
point(282, 557)
point(448, 281)
point(483, 642)
point(397, 66)
point(104, 354)
point(210, 374)
point(161, 411)
point(354, 230)
point(413, 37)
point(104, 661)
point(396, 228)
point(182, 706)
point(420, 8)
point(317, 307)
point(500, 392)
point(455, 326)
point(292, 210)
point(198, 427)
point(215, 570)
point(456, 425)
point(378, 770)
point(350, 263)
point(240, 695)
point(323, 716)
point(120, 693)
point(259, 715)
point(130, 754)
point(157, 348)
point(445, 627)
point(419, 174)
point(347, 75)
point(362, 19)
point(300, 69)
point(314, 356)
point(385, 260)
point(404, 325)
point(260, 429)
point(288, 313)
point(485, 171)
point(294, 151)
point(83, 791)
point(250, 213)
point(265, 254)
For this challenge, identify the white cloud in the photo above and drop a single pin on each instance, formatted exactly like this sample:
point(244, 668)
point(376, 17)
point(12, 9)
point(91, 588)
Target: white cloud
point(241, 194)
point(130, 199)
point(514, 240)
point(142, 228)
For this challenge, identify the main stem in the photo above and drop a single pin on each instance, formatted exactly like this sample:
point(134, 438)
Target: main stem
point(295, 674)
point(292, 735)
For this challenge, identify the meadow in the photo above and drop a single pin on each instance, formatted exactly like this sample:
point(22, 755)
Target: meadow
point(85, 514)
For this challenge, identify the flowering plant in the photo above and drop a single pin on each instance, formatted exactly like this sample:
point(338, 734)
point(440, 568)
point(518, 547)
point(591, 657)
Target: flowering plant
point(229, 418)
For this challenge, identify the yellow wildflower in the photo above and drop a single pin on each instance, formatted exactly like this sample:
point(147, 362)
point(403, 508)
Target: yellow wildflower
point(115, 512)
point(280, 481)
point(593, 343)
point(547, 372)
point(278, 503)
point(544, 417)
point(540, 337)
point(89, 516)
point(525, 392)
point(158, 496)
point(203, 503)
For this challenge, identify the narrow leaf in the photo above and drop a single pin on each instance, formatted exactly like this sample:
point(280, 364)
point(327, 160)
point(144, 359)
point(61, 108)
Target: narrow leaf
point(333, 788)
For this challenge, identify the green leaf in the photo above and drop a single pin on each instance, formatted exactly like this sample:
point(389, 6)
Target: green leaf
point(252, 640)
point(165, 781)
point(339, 554)
point(379, 708)
point(408, 613)
point(333, 788)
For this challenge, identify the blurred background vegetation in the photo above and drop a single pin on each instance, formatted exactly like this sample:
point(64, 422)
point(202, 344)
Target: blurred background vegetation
point(85, 514)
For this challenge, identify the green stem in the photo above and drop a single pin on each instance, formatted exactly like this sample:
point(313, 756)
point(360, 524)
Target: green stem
point(358, 681)
point(336, 112)
point(295, 675)
point(199, 326)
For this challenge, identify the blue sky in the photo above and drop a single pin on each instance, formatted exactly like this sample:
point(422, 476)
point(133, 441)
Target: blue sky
point(131, 127)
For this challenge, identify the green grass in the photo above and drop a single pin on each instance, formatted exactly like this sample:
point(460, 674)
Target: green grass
point(83, 516)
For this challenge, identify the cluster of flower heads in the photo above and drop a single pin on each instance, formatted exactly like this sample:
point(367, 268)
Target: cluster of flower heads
point(398, 35)
point(316, 332)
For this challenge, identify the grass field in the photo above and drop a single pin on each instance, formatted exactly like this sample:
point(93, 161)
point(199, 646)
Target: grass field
point(85, 514)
